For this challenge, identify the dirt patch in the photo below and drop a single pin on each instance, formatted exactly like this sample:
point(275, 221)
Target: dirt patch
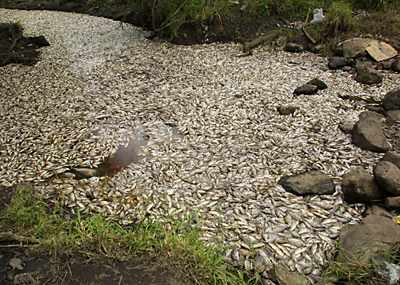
point(38, 268)
point(15, 48)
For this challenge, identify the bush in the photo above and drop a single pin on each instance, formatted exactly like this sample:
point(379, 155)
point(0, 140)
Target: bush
point(339, 18)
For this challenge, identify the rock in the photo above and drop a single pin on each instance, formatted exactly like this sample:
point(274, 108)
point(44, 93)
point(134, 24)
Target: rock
point(363, 242)
point(306, 89)
point(379, 211)
point(319, 83)
point(387, 64)
point(287, 109)
point(39, 41)
point(393, 115)
point(396, 65)
point(392, 202)
point(391, 101)
point(359, 186)
point(16, 263)
point(387, 176)
point(354, 47)
point(283, 276)
point(368, 133)
point(338, 62)
point(372, 115)
point(368, 75)
point(293, 47)
point(378, 50)
point(85, 172)
point(313, 182)
point(346, 126)
point(392, 157)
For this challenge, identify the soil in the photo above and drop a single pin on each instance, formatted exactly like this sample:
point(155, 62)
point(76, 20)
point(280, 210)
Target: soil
point(74, 269)
point(15, 48)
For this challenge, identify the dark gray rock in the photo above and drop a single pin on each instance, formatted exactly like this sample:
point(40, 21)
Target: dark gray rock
point(391, 101)
point(396, 65)
point(306, 89)
point(319, 83)
point(287, 109)
point(368, 133)
point(367, 75)
point(393, 115)
point(359, 186)
point(392, 202)
point(392, 157)
point(293, 47)
point(313, 182)
point(387, 64)
point(338, 62)
point(368, 240)
point(387, 176)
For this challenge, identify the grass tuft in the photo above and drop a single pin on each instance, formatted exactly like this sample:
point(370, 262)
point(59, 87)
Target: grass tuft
point(178, 244)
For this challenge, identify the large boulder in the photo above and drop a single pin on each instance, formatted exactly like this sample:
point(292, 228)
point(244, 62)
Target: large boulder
point(392, 157)
point(313, 182)
point(368, 133)
point(367, 75)
point(387, 176)
point(359, 186)
point(373, 237)
point(391, 101)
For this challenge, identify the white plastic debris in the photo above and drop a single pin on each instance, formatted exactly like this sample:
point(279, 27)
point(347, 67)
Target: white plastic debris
point(318, 16)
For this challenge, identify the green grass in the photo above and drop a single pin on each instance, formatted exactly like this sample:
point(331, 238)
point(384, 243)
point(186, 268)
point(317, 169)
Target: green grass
point(179, 245)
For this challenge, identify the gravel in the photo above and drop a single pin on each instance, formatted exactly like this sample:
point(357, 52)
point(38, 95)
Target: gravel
point(216, 144)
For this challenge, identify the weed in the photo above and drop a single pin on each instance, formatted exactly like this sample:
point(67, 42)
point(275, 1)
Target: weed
point(339, 19)
point(178, 244)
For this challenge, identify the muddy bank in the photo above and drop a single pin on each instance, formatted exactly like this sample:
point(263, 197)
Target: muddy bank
point(20, 266)
point(238, 26)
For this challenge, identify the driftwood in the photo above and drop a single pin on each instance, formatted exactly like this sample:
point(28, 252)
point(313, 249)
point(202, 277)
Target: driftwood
point(247, 47)
point(308, 36)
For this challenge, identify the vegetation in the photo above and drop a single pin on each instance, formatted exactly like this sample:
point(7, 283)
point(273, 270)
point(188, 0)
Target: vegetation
point(357, 271)
point(179, 245)
point(173, 18)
